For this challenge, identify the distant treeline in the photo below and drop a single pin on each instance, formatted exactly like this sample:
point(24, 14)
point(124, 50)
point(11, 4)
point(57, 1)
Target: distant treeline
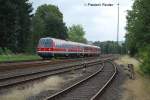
point(111, 47)
point(20, 29)
point(138, 32)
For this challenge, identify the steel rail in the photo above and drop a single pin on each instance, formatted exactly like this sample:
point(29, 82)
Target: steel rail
point(74, 85)
point(35, 60)
point(8, 66)
point(96, 96)
point(54, 96)
point(36, 63)
point(46, 70)
point(43, 70)
point(51, 72)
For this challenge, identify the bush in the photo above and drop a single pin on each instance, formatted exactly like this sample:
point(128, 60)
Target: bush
point(145, 55)
point(7, 51)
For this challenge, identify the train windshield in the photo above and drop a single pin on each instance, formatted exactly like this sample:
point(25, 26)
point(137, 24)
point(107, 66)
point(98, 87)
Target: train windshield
point(45, 43)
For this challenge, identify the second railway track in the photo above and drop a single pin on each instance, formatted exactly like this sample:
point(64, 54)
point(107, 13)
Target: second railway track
point(5, 66)
point(16, 79)
point(89, 88)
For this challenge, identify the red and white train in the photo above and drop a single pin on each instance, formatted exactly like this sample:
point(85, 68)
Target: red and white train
point(51, 47)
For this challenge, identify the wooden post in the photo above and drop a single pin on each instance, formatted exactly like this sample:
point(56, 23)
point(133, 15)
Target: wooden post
point(131, 70)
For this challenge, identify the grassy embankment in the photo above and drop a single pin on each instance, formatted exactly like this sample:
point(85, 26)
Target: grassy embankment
point(139, 88)
point(18, 57)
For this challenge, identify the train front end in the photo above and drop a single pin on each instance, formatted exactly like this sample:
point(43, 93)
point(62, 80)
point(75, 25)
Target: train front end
point(45, 48)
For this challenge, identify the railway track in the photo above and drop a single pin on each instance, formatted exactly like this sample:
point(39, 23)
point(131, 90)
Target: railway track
point(89, 88)
point(4, 66)
point(16, 79)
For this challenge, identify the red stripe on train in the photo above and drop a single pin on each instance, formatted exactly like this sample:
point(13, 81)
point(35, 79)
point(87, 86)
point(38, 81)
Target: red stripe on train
point(64, 50)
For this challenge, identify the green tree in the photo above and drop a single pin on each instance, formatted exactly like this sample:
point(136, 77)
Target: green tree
point(138, 27)
point(24, 32)
point(48, 21)
point(138, 23)
point(15, 21)
point(76, 33)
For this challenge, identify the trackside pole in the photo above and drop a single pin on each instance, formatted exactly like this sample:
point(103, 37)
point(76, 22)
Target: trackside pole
point(131, 70)
point(84, 63)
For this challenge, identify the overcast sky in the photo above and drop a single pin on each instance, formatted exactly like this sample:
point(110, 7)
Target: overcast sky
point(99, 22)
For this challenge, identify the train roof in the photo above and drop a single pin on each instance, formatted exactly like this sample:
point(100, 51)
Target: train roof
point(77, 43)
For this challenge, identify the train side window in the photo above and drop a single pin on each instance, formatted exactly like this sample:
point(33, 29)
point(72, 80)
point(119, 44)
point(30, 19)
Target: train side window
point(65, 45)
point(56, 44)
point(59, 44)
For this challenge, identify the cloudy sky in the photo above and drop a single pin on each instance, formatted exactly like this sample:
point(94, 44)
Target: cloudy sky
point(99, 22)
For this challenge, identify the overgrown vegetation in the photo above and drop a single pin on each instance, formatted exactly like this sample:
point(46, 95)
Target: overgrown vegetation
point(138, 35)
point(7, 55)
point(144, 54)
point(18, 57)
